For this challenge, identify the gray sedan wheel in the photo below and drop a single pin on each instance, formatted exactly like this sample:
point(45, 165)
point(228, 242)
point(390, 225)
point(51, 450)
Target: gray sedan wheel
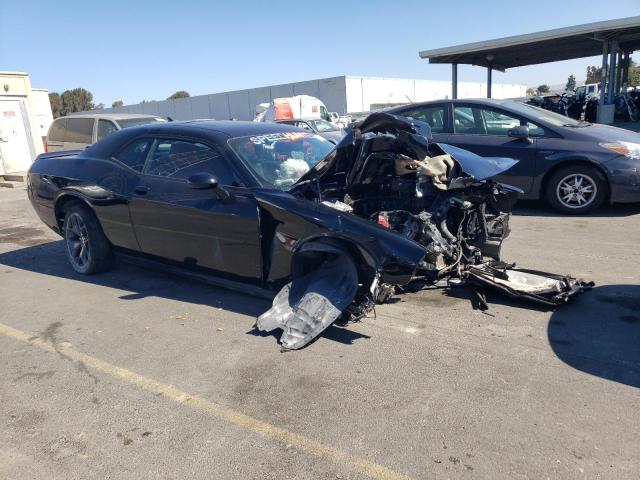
point(576, 189)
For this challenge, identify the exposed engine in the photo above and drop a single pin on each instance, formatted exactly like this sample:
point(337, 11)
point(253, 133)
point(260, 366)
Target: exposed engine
point(432, 202)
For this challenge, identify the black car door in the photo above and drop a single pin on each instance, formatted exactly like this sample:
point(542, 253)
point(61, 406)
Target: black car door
point(432, 114)
point(485, 131)
point(196, 227)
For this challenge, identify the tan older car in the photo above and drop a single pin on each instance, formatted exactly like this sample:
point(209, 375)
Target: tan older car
point(76, 132)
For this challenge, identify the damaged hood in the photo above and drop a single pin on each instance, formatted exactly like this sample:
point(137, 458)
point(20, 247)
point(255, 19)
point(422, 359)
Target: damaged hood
point(480, 168)
point(387, 132)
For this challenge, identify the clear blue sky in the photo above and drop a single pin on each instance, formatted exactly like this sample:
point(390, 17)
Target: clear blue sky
point(138, 49)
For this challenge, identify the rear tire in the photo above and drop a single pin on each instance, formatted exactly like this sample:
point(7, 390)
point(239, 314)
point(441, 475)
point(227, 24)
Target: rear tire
point(86, 246)
point(576, 189)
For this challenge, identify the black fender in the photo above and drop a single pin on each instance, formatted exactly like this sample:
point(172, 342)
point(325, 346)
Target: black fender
point(288, 222)
point(367, 263)
point(62, 199)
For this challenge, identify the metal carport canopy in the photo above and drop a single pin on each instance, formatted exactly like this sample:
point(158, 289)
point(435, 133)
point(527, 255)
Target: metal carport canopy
point(541, 47)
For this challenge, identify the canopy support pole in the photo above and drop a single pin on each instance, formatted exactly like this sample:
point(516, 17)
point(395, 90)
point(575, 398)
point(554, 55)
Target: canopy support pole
point(603, 71)
point(454, 80)
point(489, 72)
point(619, 66)
point(625, 69)
point(612, 72)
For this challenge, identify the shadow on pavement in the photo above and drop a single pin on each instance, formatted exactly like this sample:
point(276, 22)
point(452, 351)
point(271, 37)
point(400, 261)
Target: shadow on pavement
point(337, 333)
point(530, 208)
point(599, 333)
point(49, 259)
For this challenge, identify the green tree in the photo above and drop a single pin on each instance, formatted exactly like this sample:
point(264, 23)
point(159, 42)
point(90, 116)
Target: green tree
point(117, 103)
point(56, 104)
point(634, 75)
point(571, 83)
point(544, 88)
point(76, 100)
point(99, 106)
point(530, 92)
point(179, 94)
point(593, 74)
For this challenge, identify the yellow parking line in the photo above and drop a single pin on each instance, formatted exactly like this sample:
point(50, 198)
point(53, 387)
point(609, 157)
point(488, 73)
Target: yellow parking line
point(301, 442)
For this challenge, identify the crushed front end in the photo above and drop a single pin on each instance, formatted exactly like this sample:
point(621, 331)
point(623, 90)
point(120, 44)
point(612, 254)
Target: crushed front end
point(437, 196)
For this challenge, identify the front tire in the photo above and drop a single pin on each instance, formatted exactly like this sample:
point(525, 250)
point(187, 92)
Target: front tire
point(87, 248)
point(576, 189)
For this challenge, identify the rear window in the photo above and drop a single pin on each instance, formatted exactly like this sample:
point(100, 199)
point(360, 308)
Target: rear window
point(105, 127)
point(133, 122)
point(79, 130)
point(56, 131)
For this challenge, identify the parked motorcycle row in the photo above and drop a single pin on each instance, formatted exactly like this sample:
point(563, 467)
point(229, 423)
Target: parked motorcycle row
point(585, 106)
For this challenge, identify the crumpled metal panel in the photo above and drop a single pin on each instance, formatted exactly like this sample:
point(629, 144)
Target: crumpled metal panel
point(480, 168)
point(541, 287)
point(309, 304)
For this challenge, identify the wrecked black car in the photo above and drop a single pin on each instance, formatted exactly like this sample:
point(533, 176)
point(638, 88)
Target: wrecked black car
point(270, 209)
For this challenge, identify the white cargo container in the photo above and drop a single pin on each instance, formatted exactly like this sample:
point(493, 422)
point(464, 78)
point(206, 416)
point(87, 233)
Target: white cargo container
point(25, 116)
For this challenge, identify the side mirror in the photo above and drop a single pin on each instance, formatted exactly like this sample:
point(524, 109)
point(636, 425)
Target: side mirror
point(204, 180)
point(521, 132)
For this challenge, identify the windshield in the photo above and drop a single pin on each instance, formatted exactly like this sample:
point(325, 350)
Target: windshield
point(134, 122)
point(537, 113)
point(280, 159)
point(323, 126)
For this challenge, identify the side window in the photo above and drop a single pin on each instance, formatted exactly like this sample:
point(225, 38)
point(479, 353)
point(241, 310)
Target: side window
point(105, 127)
point(135, 153)
point(535, 130)
point(482, 121)
point(498, 123)
point(56, 131)
point(304, 125)
point(181, 158)
point(79, 130)
point(433, 115)
point(324, 114)
point(465, 121)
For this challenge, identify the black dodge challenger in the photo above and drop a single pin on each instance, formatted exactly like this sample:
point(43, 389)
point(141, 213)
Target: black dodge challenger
point(267, 208)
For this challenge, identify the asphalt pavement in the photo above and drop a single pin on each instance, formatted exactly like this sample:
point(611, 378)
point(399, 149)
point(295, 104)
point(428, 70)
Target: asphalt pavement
point(136, 374)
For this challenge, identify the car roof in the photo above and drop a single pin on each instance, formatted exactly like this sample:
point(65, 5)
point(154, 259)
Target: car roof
point(477, 101)
point(112, 116)
point(229, 128)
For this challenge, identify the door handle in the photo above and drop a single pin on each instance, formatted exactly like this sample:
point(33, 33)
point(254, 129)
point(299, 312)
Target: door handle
point(141, 190)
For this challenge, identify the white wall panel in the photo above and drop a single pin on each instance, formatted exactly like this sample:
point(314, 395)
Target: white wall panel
point(166, 108)
point(278, 91)
point(239, 105)
point(258, 96)
point(332, 91)
point(342, 94)
point(183, 109)
point(200, 107)
point(219, 106)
